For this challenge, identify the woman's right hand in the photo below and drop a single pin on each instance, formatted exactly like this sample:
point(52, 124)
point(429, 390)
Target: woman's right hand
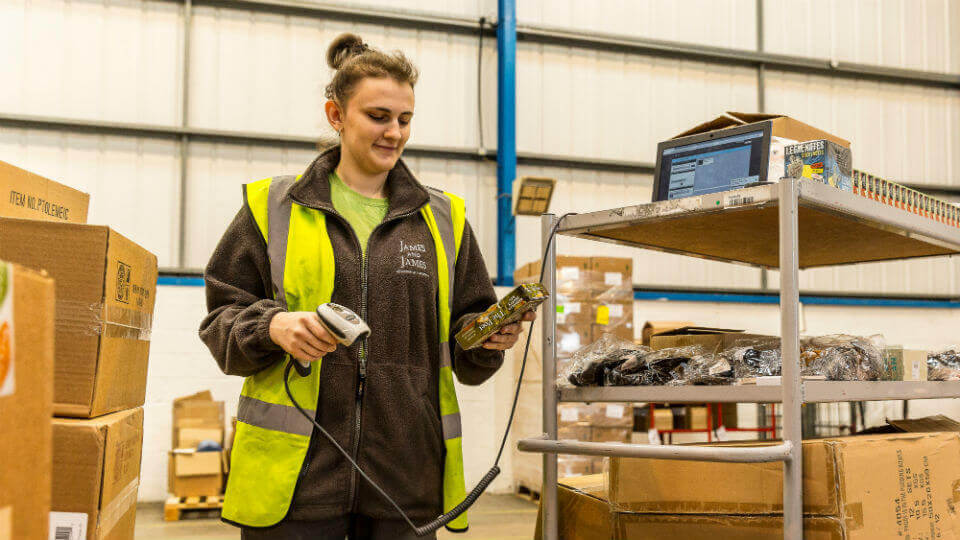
point(301, 335)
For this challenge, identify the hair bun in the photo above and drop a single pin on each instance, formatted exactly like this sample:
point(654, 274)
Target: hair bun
point(344, 47)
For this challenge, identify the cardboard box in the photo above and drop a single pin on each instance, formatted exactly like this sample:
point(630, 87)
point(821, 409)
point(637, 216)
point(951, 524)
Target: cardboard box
point(612, 313)
point(26, 195)
point(96, 473)
point(610, 434)
point(612, 415)
point(611, 274)
point(906, 364)
point(657, 327)
point(872, 486)
point(583, 510)
point(572, 278)
point(193, 474)
point(628, 526)
point(821, 160)
point(782, 126)
point(26, 401)
point(696, 417)
point(584, 514)
point(569, 414)
point(571, 338)
point(712, 339)
point(196, 417)
point(576, 432)
point(105, 290)
point(575, 313)
point(568, 466)
point(623, 331)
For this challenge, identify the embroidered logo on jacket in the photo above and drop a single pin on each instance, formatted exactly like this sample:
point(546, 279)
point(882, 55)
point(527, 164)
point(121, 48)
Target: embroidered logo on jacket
point(412, 259)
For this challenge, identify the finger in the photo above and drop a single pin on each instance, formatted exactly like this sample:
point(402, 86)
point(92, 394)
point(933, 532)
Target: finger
point(495, 346)
point(498, 338)
point(311, 351)
point(514, 328)
point(317, 329)
point(322, 346)
point(302, 355)
point(530, 316)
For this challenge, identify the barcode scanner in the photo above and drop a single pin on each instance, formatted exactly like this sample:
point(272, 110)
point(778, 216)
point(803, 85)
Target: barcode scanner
point(341, 323)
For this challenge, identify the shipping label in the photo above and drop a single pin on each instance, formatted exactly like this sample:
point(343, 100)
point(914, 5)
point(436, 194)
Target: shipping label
point(68, 526)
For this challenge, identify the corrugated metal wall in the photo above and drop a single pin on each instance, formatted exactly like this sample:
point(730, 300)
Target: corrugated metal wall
point(120, 60)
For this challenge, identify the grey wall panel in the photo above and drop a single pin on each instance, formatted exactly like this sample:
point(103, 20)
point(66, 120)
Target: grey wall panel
point(132, 182)
point(721, 23)
point(267, 72)
point(97, 60)
point(216, 173)
point(617, 106)
point(914, 34)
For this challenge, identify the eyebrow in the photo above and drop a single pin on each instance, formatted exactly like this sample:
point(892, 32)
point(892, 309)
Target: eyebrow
point(388, 111)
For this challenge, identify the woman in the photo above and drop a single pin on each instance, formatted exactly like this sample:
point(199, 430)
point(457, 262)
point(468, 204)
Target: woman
point(359, 230)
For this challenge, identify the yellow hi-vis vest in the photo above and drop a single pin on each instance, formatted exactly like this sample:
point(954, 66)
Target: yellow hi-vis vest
point(272, 437)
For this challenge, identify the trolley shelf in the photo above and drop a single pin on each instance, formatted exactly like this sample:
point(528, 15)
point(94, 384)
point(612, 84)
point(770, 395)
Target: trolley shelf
point(836, 227)
point(797, 223)
point(812, 392)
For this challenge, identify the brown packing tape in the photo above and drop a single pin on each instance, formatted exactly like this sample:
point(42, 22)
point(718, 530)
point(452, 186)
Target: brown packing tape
point(853, 516)
point(106, 320)
point(111, 514)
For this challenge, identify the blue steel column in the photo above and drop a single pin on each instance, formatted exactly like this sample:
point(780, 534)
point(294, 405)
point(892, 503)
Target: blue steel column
point(506, 138)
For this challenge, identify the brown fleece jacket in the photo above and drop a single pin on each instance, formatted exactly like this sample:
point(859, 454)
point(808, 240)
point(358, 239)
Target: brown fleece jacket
point(392, 426)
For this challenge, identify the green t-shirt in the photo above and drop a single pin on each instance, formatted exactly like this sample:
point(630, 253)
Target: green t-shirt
point(362, 213)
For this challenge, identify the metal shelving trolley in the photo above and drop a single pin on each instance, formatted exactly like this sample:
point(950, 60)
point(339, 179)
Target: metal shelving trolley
point(790, 225)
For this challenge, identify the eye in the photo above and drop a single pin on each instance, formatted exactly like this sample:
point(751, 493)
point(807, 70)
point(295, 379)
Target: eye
point(404, 121)
point(376, 117)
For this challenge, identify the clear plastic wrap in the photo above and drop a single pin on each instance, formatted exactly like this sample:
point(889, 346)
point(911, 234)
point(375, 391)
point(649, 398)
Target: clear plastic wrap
point(842, 357)
point(655, 368)
point(753, 361)
point(944, 365)
point(589, 365)
point(707, 369)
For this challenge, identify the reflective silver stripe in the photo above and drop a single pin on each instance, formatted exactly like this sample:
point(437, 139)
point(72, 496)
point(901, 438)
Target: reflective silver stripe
point(441, 206)
point(445, 355)
point(278, 227)
point(451, 426)
point(274, 416)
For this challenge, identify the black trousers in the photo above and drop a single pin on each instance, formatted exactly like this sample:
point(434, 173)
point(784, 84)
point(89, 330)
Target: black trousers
point(352, 527)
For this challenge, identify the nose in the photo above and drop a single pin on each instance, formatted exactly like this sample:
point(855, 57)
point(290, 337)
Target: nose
point(393, 131)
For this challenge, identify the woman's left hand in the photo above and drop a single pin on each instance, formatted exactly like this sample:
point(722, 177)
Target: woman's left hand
point(508, 335)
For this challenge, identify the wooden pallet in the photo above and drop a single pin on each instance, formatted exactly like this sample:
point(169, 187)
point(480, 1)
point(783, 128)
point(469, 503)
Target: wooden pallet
point(527, 493)
point(207, 506)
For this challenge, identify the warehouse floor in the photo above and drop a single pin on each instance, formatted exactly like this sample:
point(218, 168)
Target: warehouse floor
point(495, 517)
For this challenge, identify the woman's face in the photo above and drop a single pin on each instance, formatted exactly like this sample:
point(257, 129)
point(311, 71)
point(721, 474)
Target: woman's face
point(376, 124)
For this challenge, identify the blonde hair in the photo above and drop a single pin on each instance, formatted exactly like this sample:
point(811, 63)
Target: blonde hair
point(353, 60)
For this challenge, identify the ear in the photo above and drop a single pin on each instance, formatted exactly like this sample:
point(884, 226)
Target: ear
point(334, 115)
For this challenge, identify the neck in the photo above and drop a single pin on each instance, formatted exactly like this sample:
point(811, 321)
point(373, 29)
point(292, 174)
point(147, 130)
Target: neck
point(367, 184)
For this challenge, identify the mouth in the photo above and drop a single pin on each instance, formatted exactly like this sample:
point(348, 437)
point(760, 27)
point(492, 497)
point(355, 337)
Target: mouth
point(385, 149)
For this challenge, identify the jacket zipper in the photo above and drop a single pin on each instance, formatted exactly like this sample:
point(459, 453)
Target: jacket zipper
point(362, 378)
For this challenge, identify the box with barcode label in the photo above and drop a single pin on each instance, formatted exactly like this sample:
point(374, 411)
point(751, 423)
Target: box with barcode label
point(612, 415)
point(611, 279)
point(96, 473)
point(26, 400)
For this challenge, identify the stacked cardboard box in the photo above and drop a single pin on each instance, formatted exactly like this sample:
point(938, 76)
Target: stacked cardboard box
point(26, 401)
point(191, 471)
point(865, 487)
point(599, 422)
point(105, 287)
point(594, 295)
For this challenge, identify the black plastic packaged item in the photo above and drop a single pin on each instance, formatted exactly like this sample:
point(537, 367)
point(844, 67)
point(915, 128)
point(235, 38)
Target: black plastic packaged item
point(590, 365)
point(707, 369)
point(653, 368)
point(753, 362)
point(844, 358)
point(944, 365)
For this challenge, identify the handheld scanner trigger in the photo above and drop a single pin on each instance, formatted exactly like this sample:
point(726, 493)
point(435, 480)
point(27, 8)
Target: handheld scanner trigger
point(343, 324)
